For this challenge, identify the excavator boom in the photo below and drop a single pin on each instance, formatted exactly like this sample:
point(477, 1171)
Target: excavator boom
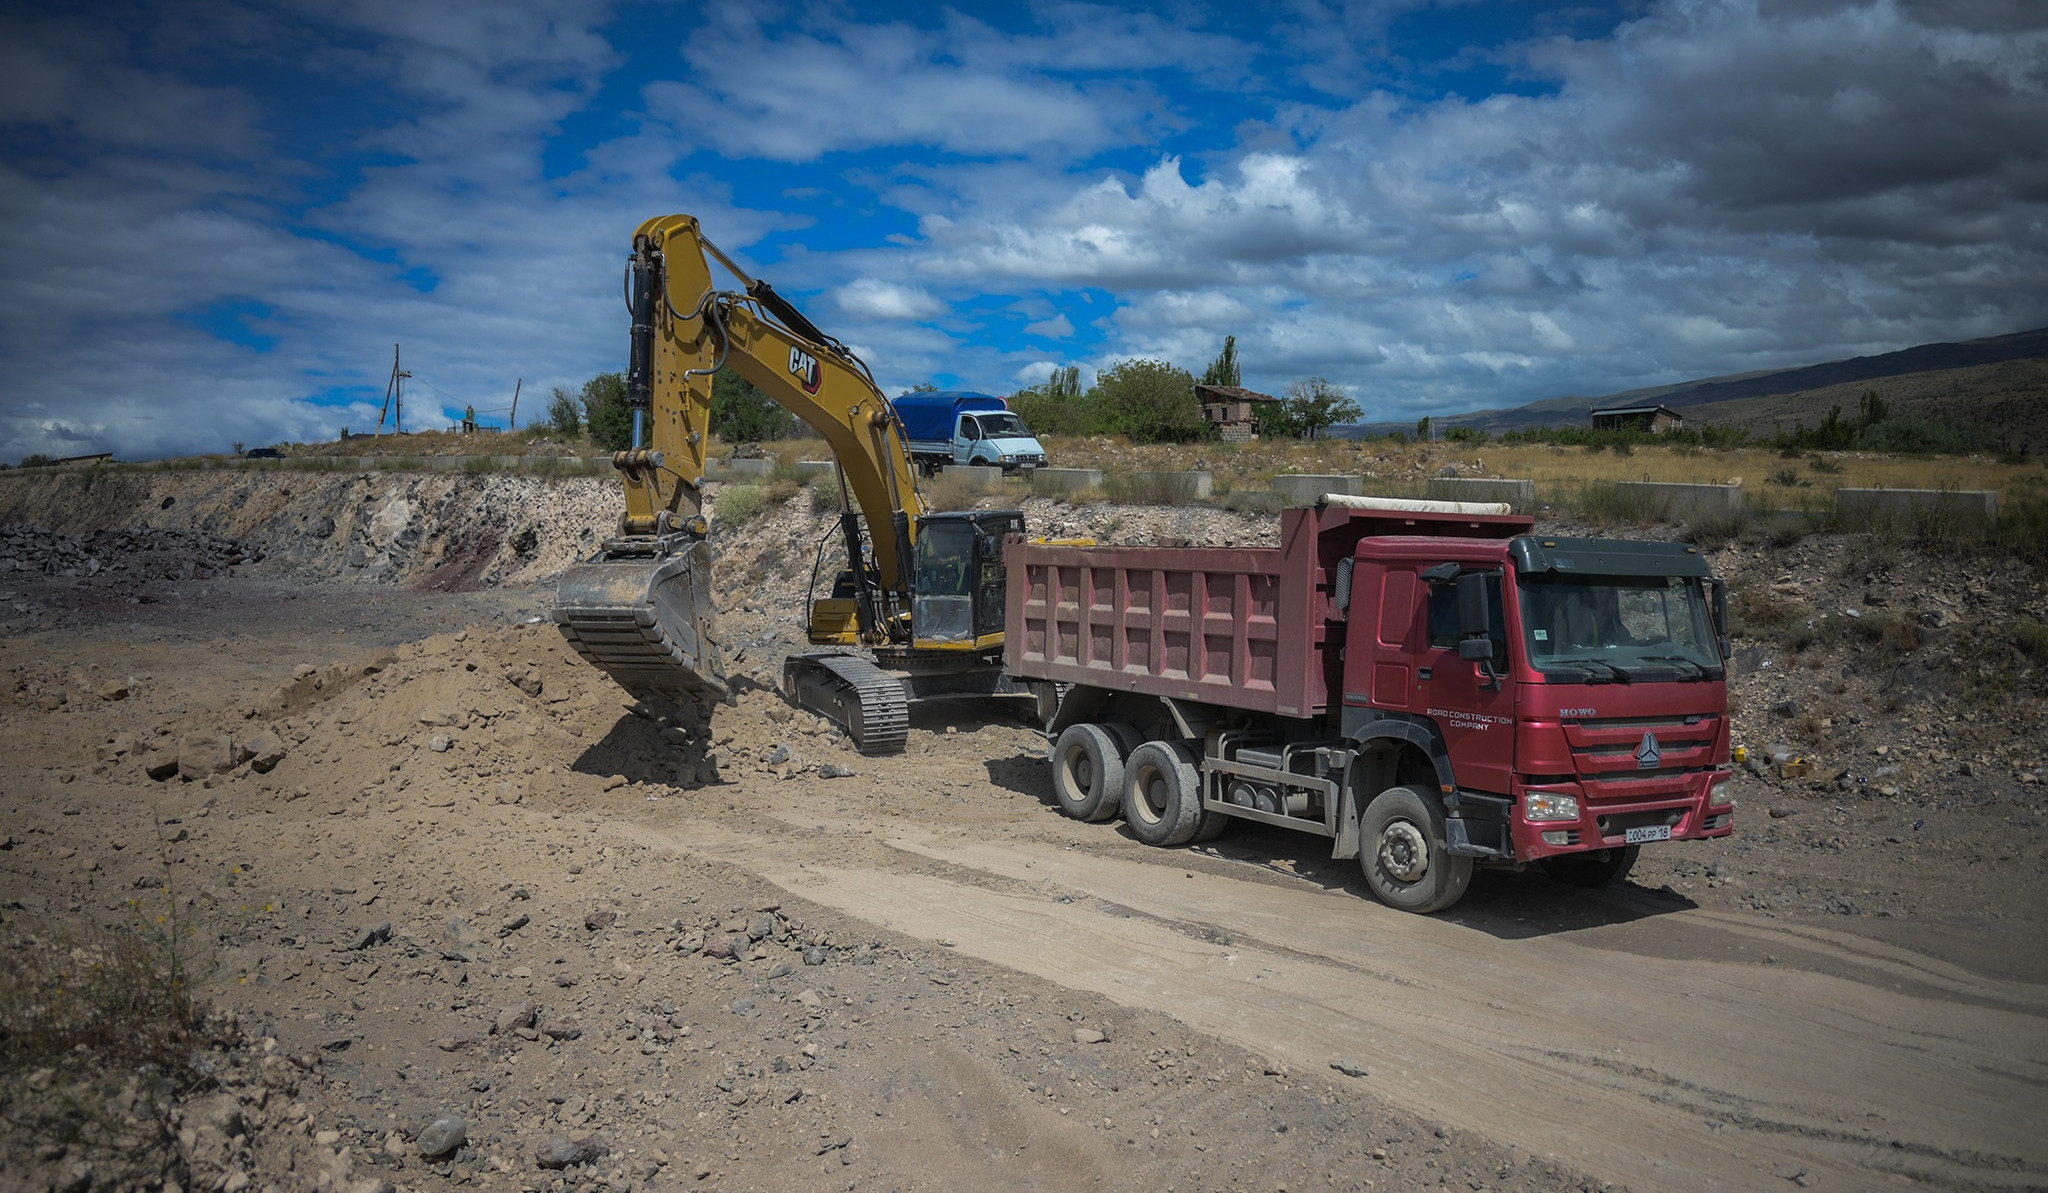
point(641, 608)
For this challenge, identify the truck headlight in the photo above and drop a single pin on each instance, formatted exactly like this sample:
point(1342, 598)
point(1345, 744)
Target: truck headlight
point(1721, 794)
point(1550, 805)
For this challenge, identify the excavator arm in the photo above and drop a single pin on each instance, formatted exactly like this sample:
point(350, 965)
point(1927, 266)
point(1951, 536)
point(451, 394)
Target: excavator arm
point(640, 609)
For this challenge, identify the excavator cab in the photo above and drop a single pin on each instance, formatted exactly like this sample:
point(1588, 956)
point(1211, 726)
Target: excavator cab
point(957, 604)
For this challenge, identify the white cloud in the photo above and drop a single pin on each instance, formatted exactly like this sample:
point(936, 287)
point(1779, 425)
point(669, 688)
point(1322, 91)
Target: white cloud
point(873, 298)
point(795, 91)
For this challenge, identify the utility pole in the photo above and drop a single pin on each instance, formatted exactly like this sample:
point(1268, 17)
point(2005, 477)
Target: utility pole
point(512, 423)
point(394, 396)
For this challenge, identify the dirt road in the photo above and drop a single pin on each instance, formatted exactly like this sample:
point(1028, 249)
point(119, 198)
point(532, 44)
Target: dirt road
point(470, 881)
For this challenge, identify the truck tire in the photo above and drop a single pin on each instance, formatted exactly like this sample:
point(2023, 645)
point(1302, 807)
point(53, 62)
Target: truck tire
point(1163, 793)
point(1088, 772)
point(1401, 850)
point(1593, 868)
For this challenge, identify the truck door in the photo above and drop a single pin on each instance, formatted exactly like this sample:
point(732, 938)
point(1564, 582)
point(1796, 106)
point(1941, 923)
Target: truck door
point(1475, 715)
point(965, 436)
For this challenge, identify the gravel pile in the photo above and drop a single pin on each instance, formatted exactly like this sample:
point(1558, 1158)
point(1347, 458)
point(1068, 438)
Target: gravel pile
point(127, 551)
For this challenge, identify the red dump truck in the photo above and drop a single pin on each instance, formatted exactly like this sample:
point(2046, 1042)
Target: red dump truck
point(1429, 684)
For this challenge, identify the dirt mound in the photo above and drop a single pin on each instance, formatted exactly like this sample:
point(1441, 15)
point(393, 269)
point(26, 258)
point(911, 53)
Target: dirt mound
point(475, 916)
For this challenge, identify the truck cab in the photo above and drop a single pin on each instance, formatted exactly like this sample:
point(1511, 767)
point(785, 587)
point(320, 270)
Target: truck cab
point(1572, 691)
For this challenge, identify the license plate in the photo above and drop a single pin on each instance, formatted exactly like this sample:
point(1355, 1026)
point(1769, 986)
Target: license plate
point(1646, 834)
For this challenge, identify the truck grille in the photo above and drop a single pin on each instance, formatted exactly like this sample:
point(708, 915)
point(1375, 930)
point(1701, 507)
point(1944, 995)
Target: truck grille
point(1610, 755)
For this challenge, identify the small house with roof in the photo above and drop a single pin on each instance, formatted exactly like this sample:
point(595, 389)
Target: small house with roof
point(1230, 409)
point(1637, 418)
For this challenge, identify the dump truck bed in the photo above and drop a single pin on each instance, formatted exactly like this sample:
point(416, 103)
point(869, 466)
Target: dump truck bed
point(1241, 627)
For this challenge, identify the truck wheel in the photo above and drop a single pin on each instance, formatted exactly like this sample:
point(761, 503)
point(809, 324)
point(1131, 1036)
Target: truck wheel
point(1401, 850)
point(1088, 772)
point(1163, 793)
point(1595, 867)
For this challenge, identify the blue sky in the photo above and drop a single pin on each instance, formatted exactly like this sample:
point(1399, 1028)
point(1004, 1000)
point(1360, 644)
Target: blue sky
point(217, 218)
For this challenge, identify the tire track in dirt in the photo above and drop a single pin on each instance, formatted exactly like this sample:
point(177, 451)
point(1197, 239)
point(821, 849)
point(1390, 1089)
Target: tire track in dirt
point(1666, 1074)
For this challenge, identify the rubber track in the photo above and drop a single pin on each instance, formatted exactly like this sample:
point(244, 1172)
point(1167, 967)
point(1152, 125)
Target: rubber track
point(855, 694)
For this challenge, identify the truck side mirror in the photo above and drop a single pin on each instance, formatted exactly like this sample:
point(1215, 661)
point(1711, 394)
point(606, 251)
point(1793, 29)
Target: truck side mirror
point(1472, 608)
point(1477, 629)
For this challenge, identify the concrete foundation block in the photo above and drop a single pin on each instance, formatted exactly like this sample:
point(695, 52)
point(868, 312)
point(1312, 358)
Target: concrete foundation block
point(1982, 503)
point(977, 476)
point(1300, 490)
point(1684, 502)
point(814, 469)
point(1520, 495)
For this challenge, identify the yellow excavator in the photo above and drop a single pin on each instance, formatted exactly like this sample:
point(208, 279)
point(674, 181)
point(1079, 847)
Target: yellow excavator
point(922, 591)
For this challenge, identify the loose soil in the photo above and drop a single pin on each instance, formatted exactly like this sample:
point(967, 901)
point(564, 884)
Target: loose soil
point(474, 882)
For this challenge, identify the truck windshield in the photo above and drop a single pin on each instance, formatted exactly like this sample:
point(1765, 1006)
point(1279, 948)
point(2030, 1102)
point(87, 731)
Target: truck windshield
point(1002, 426)
point(1618, 629)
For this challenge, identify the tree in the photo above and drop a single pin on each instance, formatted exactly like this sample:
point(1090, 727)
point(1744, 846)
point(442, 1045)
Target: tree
point(563, 415)
point(605, 412)
point(1276, 420)
point(1149, 400)
point(1223, 370)
point(1052, 407)
point(1314, 403)
point(740, 413)
point(922, 387)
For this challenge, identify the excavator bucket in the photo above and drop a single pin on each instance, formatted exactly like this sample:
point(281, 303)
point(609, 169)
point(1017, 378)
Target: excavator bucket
point(645, 619)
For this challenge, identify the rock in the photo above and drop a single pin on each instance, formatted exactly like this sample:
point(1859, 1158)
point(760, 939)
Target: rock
point(1781, 811)
point(365, 937)
point(114, 689)
point(816, 955)
point(265, 751)
point(1088, 1035)
point(515, 1017)
point(513, 925)
point(598, 921)
point(780, 754)
point(723, 948)
point(1348, 1068)
point(558, 1153)
point(562, 1029)
point(160, 764)
point(440, 743)
point(833, 770)
point(443, 1135)
point(761, 927)
point(203, 755)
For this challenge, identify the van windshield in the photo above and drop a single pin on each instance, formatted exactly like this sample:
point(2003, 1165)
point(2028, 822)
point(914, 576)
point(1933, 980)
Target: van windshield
point(1002, 425)
point(1618, 629)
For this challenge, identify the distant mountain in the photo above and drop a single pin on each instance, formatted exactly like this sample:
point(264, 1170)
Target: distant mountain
point(2000, 382)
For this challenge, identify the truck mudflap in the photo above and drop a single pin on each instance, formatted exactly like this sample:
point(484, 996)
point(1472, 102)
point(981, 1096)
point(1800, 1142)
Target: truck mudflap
point(641, 612)
point(853, 693)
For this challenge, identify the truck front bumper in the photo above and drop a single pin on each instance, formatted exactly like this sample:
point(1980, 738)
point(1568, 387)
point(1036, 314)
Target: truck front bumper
point(1704, 810)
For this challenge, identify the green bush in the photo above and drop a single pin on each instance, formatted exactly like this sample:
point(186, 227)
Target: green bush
point(605, 412)
point(741, 413)
point(1149, 400)
point(740, 504)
